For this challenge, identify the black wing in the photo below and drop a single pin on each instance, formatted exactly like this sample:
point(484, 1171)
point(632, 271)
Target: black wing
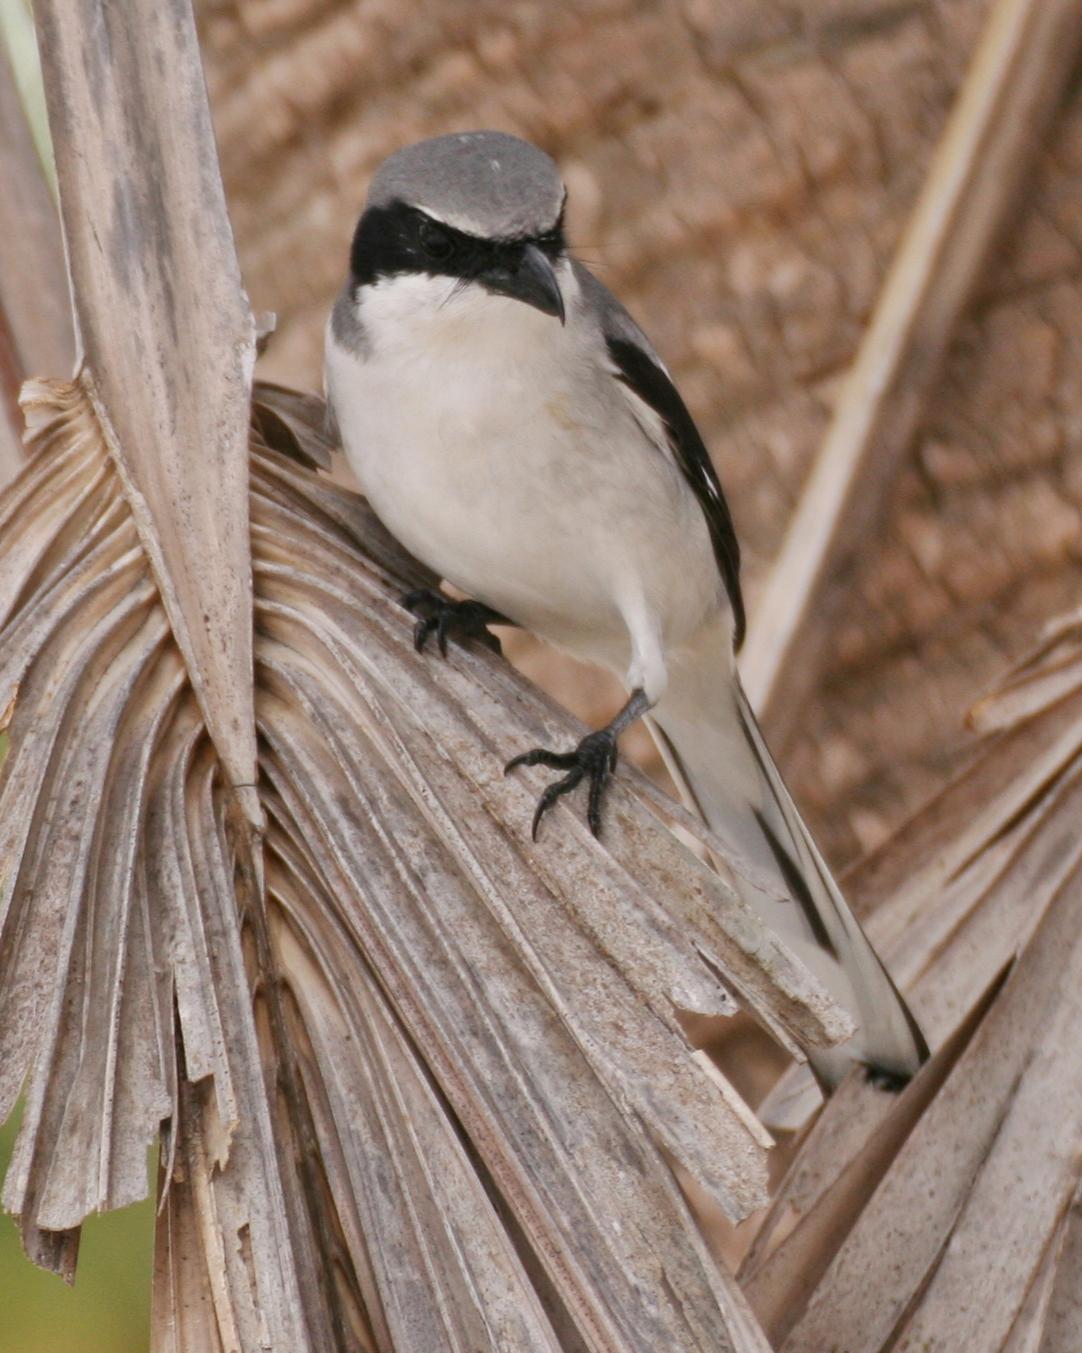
point(645, 378)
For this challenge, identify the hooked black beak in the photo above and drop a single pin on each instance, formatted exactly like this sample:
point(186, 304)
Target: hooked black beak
point(531, 279)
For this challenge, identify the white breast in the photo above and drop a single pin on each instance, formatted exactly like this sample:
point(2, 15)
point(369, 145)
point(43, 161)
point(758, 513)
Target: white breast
point(494, 444)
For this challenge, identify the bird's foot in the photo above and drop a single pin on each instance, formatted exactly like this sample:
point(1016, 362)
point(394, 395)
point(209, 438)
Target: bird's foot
point(439, 615)
point(593, 759)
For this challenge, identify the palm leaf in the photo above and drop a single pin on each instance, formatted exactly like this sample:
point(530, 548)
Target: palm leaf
point(401, 885)
point(266, 891)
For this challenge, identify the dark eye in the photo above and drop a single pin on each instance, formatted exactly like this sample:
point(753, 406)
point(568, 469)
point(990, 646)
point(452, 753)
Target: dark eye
point(435, 241)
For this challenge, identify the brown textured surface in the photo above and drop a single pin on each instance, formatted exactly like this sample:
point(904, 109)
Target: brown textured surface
point(742, 172)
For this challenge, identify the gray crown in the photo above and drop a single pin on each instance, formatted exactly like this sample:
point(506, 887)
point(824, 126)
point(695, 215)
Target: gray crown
point(487, 183)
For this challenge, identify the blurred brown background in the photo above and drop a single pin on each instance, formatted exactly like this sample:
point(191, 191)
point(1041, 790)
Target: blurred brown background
point(740, 173)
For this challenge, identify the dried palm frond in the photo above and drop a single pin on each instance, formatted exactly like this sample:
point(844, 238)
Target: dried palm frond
point(949, 1215)
point(265, 889)
point(421, 969)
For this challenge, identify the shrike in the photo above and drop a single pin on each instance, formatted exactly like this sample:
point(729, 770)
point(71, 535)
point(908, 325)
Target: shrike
point(510, 423)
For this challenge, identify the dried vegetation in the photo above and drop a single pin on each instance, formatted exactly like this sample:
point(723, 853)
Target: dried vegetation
point(419, 1083)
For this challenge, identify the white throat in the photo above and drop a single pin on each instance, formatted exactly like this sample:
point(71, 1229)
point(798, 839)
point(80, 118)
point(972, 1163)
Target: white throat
point(445, 318)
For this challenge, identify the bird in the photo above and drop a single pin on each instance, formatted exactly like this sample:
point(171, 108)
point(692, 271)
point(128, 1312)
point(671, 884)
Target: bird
point(513, 427)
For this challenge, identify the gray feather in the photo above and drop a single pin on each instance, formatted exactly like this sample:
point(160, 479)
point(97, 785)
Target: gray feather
point(346, 324)
point(487, 183)
point(613, 320)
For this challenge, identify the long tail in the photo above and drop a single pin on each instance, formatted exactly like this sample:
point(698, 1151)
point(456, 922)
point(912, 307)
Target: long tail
point(709, 737)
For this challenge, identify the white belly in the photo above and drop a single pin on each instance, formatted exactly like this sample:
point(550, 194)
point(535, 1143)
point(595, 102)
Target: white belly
point(489, 444)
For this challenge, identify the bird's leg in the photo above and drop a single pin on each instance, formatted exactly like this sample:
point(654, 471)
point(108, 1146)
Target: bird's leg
point(439, 615)
point(594, 759)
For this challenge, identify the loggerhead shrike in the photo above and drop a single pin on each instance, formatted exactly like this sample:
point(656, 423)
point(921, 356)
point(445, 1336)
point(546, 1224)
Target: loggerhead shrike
point(510, 423)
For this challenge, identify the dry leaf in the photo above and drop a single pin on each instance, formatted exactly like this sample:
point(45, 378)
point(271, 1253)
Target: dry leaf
point(414, 940)
point(989, 869)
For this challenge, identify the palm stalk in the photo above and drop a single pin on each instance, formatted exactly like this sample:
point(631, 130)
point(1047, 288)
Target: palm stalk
point(1014, 83)
point(35, 313)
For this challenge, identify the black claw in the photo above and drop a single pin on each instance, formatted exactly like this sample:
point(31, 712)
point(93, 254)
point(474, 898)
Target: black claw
point(540, 756)
point(594, 757)
point(447, 619)
point(551, 794)
point(593, 803)
point(421, 631)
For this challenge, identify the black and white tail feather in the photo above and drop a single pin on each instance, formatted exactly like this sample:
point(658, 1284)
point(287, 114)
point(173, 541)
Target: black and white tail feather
point(709, 736)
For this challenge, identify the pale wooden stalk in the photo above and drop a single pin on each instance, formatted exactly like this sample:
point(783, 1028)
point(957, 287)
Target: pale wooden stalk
point(1016, 78)
point(35, 314)
point(164, 327)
